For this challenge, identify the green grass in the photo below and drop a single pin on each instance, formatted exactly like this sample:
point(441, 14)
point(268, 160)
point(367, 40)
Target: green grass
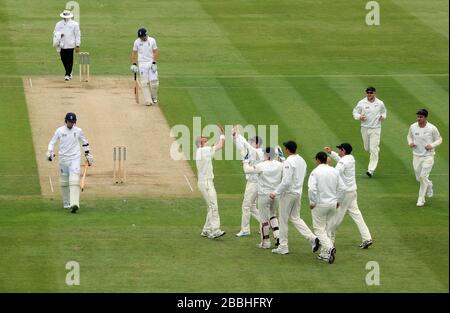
point(301, 65)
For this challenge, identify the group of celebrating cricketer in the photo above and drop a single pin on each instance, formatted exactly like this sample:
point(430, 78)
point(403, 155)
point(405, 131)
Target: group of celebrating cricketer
point(275, 183)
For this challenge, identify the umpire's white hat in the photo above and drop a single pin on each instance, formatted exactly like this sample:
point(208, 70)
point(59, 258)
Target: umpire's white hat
point(66, 14)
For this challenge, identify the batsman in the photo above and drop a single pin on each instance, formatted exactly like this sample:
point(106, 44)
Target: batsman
point(69, 138)
point(145, 52)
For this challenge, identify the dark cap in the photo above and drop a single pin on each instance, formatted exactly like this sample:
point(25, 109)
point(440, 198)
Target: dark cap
point(422, 112)
point(322, 157)
point(290, 145)
point(372, 89)
point(71, 117)
point(345, 146)
point(256, 139)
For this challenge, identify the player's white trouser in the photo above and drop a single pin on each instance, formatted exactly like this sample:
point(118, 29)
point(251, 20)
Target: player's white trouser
point(422, 168)
point(349, 205)
point(249, 205)
point(268, 216)
point(290, 210)
point(322, 217)
point(208, 191)
point(371, 140)
point(149, 82)
point(70, 181)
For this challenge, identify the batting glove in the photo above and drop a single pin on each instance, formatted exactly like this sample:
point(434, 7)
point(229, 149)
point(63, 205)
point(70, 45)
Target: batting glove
point(134, 68)
point(154, 67)
point(89, 158)
point(50, 156)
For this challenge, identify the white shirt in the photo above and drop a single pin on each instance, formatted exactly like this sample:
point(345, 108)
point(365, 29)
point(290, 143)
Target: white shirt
point(145, 49)
point(69, 142)
point(269, 175)
point(372, 111)
point(203, 160)
point(346, 168)
point(294, 171)
point(325, 186)
point(255, 155)
point(422, 137)
point(71, 32)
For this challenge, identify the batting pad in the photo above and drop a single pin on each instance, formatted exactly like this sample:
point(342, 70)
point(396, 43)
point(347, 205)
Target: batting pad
point(74, 185)
point(154, 84)
point(65, 190)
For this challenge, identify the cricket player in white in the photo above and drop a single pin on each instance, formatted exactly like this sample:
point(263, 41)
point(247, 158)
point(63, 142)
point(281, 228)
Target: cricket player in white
point(423, 137)
point(66, 39)
point(146, 52)
point(252, 152)
point(269, 177)
point(290, 192)
point(205, 175)
point(325, 190)
point(346, 168)
point(371, 112)
point(70, 137)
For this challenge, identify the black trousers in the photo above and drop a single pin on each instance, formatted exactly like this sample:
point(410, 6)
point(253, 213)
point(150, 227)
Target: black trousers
point(67, 60)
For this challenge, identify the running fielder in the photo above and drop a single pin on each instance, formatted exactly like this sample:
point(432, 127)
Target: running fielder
point(423, 138)
point(70, 137)
point(346, 168)
point(371, 112)
point(146, 52)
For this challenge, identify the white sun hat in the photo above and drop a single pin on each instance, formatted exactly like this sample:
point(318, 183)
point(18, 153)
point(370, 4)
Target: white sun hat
point(66, 14)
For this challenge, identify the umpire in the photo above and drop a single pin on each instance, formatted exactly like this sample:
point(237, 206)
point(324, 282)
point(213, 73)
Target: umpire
point(68, 33)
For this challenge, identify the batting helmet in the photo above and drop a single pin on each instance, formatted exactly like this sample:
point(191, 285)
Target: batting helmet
point(70, 117)
point(142, 32)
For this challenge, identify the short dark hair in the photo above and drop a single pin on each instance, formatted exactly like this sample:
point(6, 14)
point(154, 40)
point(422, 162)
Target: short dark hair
point(270, 152)
point(322, 157)
point(290, 145)
point(346, 147)
point(422, 112)
point(371, 88)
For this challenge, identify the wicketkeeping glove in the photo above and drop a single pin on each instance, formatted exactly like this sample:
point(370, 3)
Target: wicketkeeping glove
point(134, 68)
point(280, 154)
point(89, 158)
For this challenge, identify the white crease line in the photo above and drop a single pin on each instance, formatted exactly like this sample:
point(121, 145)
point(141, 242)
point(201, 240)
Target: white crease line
point(189, 184)
point(31, 83)
point(51, 184)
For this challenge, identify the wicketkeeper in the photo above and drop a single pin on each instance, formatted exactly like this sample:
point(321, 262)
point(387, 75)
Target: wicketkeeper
point(70, 137)
point(146, 52)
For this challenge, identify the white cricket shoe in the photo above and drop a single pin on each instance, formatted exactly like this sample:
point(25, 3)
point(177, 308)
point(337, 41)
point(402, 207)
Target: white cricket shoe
point(67, 78)
point(280, 250)
point(155, 101)
point(204, 233)
point(420, 203)
point(217, 234)
point(264, 245)
point(149, 103)
point(243, 233)
point(430, 190)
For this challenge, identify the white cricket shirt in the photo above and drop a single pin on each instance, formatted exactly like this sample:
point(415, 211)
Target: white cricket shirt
point(269, 175)
point(71, 32)
point(346, 168)
point(145, 49)
point(255, 155)
point(372, 111)
point(325, 186)
point(422, 136)
point(203, 160)
point(69, 142)
point(294, 171)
